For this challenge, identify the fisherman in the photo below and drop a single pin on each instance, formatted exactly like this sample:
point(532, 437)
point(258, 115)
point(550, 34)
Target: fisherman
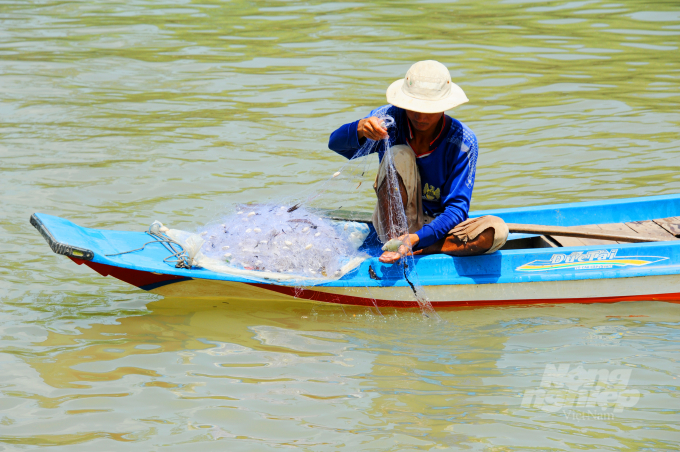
point(435, 158)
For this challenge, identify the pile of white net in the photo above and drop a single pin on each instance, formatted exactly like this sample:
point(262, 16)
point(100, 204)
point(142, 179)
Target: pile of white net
point(279, 242)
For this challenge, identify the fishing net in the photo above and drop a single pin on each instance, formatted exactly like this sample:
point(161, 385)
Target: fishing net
point(284, 243)
point(294, 241)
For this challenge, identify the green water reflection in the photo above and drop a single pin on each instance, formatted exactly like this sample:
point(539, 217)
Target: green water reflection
point(114, 114)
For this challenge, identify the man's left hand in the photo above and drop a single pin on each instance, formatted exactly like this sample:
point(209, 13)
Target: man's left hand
point(390, 257)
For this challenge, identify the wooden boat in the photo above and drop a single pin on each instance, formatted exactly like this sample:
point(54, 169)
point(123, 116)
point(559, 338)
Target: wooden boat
point(530, 268)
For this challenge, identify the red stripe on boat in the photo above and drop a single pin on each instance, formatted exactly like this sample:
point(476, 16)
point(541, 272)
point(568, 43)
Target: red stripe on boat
point(325, 297)
point(148, 281)
point(137, 278)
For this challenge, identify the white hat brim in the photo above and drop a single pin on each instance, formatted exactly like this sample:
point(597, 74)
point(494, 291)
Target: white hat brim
point(397, 97)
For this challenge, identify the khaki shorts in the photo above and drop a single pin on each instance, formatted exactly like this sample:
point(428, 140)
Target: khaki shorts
point(405, 164)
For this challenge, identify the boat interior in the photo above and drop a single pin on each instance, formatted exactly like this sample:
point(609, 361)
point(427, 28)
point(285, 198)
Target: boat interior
point(663, 228)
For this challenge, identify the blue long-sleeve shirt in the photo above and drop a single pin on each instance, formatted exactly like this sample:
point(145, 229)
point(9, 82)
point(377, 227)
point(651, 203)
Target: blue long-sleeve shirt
point(447, 173)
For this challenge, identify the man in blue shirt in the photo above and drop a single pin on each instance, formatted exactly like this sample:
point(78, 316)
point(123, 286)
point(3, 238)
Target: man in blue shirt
point(435, 159)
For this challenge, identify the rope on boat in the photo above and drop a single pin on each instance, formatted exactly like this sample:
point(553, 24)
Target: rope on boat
point(182, 259)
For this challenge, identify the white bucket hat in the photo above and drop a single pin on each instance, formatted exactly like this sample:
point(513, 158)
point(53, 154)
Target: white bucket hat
point(427, 88)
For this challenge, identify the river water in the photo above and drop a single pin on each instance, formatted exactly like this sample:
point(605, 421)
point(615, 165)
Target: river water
point(117, 113)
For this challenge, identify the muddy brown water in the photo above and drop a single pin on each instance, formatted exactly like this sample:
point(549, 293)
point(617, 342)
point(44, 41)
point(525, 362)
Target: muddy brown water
point(114, 114)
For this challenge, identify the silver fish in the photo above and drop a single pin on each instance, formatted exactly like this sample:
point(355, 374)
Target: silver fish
point(392, 245)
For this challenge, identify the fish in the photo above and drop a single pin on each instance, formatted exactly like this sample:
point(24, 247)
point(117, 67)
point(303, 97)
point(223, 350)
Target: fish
point(392, 245)
point(302, 220)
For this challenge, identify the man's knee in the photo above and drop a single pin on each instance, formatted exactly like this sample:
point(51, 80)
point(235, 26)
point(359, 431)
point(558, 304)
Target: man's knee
point(485, 240)
point(495, 237)
point(404, 158)
point(493, 228)
point(404, 161)
point(479, 245)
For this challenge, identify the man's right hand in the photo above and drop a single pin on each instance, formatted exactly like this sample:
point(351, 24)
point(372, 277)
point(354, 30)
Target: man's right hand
point(372, 129)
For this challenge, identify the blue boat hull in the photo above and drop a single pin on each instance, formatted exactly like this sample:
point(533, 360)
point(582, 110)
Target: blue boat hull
point(600, 273)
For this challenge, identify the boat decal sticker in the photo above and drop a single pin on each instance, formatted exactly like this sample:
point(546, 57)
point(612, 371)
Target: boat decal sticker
point(590, 260)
